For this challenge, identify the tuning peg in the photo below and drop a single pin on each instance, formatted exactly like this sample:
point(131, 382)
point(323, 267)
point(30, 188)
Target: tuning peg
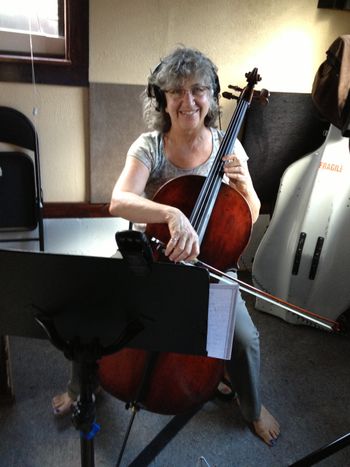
point(229, 95)
point(263, 96)
point(236, 88)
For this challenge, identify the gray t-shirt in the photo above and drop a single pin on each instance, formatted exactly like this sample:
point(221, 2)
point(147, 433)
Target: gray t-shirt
point(149, 149)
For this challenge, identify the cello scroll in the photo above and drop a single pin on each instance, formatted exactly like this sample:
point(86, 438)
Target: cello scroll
point(248, 93)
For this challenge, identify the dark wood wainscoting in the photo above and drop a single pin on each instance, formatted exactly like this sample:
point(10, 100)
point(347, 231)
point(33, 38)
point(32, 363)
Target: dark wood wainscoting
point(75, 210)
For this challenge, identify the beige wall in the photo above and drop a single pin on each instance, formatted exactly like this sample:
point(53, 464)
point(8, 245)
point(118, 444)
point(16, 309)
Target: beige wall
point(62, 125)
point(285, 39)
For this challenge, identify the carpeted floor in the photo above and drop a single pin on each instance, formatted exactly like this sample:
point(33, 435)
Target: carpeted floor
point(305, 384)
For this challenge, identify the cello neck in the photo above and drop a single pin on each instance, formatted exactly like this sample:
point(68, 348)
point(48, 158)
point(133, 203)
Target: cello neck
point(205, 202)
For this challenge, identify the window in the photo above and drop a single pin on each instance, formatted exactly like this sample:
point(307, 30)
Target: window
point(45, 40)
point(35, 27)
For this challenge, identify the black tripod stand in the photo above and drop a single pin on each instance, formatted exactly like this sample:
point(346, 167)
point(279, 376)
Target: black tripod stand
point(85, 355)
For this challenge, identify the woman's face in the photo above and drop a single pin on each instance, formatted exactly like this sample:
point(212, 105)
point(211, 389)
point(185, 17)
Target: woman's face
point(188, 104)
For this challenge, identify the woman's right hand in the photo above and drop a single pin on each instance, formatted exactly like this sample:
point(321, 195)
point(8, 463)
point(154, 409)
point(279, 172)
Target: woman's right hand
point(183, 244)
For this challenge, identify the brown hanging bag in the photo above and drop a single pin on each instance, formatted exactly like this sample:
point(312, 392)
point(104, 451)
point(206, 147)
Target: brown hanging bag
point(331, 86)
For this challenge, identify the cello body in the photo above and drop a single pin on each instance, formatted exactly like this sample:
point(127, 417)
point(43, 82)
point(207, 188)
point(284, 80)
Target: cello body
point(178, 382)
point(304, 256)
point(181, 382)
point(231, 212)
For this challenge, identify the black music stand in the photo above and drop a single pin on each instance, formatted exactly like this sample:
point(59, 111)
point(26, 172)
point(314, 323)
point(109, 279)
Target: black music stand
point(322, 453)
point(91, 306)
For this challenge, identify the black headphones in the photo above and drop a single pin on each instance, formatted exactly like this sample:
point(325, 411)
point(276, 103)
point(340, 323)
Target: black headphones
point(154, 91)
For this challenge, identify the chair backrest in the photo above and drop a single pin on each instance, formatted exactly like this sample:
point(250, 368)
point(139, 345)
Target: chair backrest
point(20, 185)
point(16, 128)
point(17, 192)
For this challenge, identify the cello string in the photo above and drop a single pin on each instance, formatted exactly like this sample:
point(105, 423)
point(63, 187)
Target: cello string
point(228, 141)
point(205, 202)
point(211, 186)
point(212, 177)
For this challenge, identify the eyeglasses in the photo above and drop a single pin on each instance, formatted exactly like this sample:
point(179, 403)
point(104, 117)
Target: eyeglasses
point(179, 93)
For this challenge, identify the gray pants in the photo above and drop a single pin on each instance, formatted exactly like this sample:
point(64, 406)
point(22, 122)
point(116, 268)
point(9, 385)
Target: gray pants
point(243, 368)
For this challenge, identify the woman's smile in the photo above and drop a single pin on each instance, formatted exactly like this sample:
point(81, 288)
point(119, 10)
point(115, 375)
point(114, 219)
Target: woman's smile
point(189, 113)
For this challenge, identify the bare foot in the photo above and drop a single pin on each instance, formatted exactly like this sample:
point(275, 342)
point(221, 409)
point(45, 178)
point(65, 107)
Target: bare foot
point(62, 404)
point(267, 427)
point(224, 388)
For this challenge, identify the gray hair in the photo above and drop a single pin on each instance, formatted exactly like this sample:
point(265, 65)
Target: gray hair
point(172, 71)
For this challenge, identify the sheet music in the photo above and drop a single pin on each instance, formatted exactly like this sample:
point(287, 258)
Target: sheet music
point(221, 320)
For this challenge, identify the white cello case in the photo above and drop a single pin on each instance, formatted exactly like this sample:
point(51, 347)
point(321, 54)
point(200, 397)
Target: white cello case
point(313, 204)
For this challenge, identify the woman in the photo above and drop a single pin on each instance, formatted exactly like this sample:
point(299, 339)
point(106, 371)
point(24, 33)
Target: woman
point(181, 108)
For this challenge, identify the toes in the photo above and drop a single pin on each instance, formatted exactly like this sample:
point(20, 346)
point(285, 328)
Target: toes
point(62, 404)
point(267, 427)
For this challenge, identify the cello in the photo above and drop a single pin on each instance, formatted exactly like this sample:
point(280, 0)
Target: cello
point(177, 382)
point(170, 383)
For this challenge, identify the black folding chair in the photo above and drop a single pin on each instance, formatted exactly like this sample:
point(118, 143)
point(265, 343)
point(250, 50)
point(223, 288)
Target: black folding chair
point(21, 204)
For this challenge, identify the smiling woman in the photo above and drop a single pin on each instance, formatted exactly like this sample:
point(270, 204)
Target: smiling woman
point(181, 108)
point(44, 41)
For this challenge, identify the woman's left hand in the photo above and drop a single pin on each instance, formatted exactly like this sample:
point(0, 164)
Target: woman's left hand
point(238, 173)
